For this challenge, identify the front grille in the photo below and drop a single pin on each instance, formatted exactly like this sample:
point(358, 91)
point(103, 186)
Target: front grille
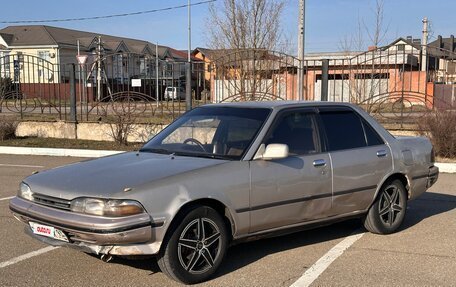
point(51, 201)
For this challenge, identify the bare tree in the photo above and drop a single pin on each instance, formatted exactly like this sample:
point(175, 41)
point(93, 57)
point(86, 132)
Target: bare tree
point(244, 32)
point(245, 24)
point(121, 125)
point(355, 41)
point(378, 30)
point(375, 31)
point(367, 74)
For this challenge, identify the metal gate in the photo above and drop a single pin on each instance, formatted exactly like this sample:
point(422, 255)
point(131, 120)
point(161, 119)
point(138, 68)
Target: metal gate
point(394, 83)
point(32, 85)
point(253, 75)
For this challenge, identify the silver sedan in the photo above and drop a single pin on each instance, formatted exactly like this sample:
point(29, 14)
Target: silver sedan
point(226, 172)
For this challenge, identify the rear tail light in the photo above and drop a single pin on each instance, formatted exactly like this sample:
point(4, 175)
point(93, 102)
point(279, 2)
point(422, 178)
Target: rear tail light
point(432, 155)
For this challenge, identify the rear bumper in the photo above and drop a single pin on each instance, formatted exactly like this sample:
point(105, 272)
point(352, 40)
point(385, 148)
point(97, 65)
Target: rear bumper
point(432, 176)
point(90, 233)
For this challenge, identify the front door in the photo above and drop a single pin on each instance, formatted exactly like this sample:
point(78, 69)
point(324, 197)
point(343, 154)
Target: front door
point(295, 189)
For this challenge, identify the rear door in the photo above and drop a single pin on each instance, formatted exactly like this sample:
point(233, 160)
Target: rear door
point(296, 188)
point(359, 157)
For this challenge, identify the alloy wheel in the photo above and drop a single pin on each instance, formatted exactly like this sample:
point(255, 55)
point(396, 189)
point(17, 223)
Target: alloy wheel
point(391, 205)
point(199, 245)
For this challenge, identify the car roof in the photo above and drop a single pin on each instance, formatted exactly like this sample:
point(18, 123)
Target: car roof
point(278, 104)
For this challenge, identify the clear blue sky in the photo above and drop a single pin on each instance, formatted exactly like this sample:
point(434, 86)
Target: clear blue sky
point(327, 21)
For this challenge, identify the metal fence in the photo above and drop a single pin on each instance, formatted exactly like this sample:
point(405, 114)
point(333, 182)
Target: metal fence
point(394, 83)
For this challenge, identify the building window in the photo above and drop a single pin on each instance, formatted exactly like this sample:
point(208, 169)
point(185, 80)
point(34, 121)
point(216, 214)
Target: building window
point(44, 66)
point(5, 65)
point(183, 70)
point(168, 70)
point(401, 47)
point(45, 55)
point(120, 68)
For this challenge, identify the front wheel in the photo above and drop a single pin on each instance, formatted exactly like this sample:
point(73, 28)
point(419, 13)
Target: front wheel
point(195, 248)
point(388, 211)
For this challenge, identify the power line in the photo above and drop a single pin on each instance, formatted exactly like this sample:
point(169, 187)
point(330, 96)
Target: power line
point(107, 16)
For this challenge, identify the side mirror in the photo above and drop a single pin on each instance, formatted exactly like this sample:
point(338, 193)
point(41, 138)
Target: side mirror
point(272, 151)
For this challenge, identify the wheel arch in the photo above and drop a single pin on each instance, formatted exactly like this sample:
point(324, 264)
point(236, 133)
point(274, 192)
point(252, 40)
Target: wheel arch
point(399, 176)
point(217, 205)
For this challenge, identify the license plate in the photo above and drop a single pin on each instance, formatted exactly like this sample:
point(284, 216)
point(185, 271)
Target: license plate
point(48, 231)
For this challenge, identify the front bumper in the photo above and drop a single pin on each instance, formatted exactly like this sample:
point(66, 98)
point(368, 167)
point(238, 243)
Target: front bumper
point(97, 234)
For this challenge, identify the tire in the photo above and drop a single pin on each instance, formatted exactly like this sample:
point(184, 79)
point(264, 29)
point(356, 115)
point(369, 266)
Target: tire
point(388, 211)
point(195, 248)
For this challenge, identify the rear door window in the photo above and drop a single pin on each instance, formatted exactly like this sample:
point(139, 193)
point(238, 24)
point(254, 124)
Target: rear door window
point(344, 130)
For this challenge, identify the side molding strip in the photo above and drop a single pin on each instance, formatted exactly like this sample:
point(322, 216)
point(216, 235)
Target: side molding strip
point(302, 199)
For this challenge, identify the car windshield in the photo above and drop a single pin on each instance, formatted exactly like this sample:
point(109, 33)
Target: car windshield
point(213, 132)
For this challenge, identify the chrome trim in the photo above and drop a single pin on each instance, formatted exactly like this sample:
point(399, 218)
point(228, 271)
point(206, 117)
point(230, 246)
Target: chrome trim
point(381, 153)
point(319, 162)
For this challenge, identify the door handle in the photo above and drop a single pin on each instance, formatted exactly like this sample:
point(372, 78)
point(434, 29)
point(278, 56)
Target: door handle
point(319, 162)
point(381, 153)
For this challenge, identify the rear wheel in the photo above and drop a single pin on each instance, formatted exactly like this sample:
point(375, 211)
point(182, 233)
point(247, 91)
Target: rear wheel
point(388, 211)
point(196, 246)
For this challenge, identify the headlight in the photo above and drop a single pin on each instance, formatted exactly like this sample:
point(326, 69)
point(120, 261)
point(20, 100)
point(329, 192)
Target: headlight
point(25, 192)
point(106, 207)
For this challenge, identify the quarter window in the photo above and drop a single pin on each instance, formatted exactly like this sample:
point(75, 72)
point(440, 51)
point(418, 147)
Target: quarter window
point(372, 136)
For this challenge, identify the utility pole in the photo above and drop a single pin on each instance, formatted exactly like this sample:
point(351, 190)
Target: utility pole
point(99, 69)
point(188, 78)
point(301, 43)
point(424, 42)
point(79, 76)
point(156, 74)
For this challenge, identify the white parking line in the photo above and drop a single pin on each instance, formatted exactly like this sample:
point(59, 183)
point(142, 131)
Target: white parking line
point(6, 198)
point(21, 165)
point(27, 256)
point(320, 266)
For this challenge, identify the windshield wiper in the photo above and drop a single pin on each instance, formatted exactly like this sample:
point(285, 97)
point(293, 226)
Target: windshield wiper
point(156, 150)
point(181, 153)
point(217, 156)
point(204, 155)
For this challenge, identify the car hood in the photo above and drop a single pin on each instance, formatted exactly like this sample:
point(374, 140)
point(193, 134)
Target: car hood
point(109, 176)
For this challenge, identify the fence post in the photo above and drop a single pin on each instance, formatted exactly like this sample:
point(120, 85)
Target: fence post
point(324, 79)
point(73, 93)
point(188, 86)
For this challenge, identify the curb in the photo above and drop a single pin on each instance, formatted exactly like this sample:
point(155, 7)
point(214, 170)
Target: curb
point(56, 151)
point(443, 167)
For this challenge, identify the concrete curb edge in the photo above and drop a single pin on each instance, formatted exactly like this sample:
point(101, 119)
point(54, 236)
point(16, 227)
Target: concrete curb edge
point(56, 151)
point(443, 167)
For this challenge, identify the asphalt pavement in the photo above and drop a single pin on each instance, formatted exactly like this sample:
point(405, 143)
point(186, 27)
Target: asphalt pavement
point(422, 253)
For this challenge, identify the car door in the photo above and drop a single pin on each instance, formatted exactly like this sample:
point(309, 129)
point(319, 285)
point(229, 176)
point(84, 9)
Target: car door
point(359, 156)
point(297, 188)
